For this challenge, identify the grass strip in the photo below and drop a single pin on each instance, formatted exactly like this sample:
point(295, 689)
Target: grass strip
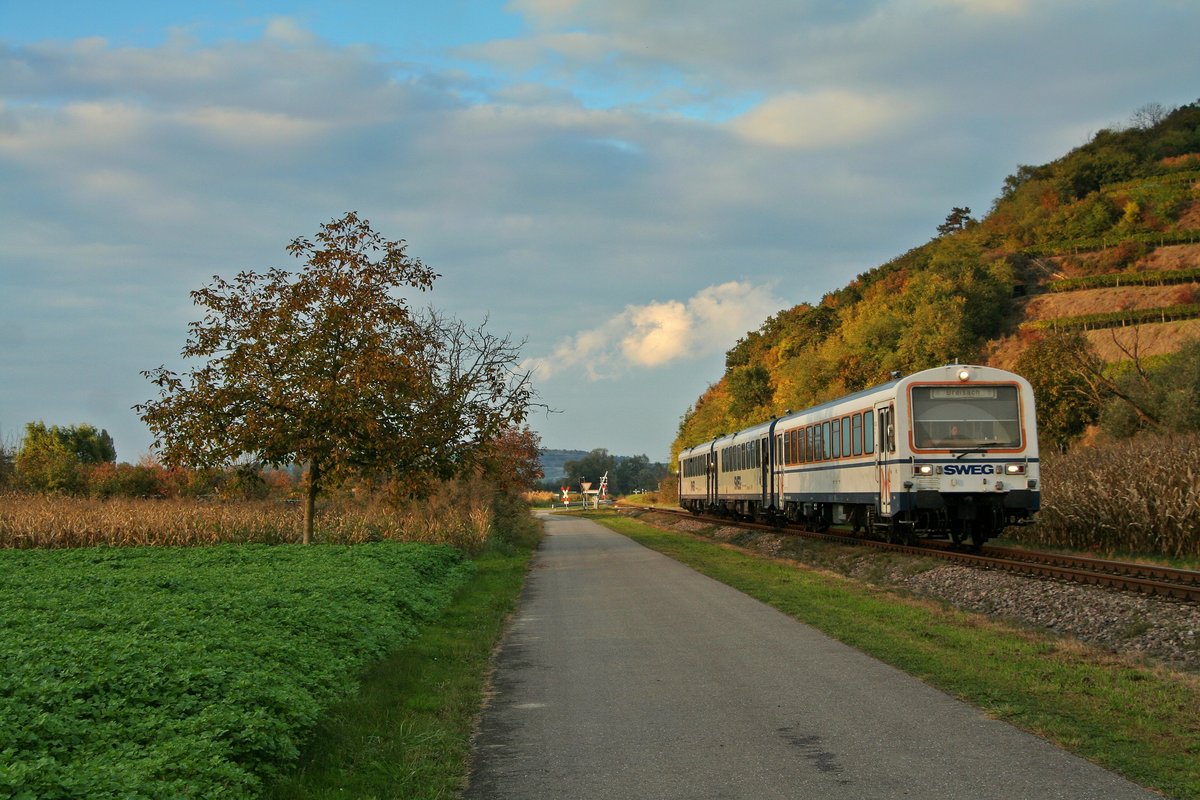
point(407, 733)
point(1140, 721)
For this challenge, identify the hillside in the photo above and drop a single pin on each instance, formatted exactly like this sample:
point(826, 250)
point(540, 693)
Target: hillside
point(553, 462)
point(1104, 241)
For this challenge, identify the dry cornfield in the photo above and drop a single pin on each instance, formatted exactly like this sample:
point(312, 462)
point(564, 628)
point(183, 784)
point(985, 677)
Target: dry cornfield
point(458, 514)
point(1136, 496)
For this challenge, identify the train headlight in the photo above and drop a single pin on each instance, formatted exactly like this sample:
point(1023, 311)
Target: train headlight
point(923, 469)
point(964, 375)
point(1014, 469)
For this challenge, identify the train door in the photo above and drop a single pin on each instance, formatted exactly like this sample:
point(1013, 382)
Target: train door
point(886, 416)
point(764, 478)
point(777, 486)
point(711, 482)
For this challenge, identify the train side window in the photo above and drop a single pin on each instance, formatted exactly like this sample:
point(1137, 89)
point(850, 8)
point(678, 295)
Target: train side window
point(836, 437)
point(868, 432)
point(826, 440)
point(857, 434)
point(846, 438)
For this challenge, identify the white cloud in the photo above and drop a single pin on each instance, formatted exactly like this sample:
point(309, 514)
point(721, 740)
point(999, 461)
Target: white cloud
point(243, 126)
point(658, 333)
point(987, 8)
point(824, 119)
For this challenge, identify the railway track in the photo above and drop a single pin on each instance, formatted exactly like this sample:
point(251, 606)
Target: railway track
point(1144, 578)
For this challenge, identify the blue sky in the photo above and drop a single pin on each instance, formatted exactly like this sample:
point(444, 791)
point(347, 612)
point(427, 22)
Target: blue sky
point(627, 186)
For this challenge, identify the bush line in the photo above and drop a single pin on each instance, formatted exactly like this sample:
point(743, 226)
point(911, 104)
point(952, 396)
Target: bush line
point(1160, 238)
point(1116, 319)
point(1110, 280)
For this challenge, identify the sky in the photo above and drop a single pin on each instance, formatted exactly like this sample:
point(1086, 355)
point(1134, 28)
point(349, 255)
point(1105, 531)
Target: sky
point(625, 186)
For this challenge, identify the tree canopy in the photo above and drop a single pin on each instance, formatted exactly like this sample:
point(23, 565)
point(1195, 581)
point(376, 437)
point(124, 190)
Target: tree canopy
point(328, 366)
point(49, 457)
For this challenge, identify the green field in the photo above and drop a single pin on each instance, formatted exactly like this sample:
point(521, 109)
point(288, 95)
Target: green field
point(193, 672)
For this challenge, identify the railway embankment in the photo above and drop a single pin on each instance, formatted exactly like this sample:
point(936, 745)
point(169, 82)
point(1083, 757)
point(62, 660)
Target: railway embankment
point(1154, 628)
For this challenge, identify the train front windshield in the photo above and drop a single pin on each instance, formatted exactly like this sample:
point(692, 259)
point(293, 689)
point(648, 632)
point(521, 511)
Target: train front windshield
point(958, 417)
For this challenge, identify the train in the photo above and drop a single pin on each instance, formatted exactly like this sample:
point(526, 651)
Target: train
point(948, 452)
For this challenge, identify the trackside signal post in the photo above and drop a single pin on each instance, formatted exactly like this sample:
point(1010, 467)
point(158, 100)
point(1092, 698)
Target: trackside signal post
point(595, 494)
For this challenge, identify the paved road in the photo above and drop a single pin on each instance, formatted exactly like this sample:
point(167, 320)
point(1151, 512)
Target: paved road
point(628, 675)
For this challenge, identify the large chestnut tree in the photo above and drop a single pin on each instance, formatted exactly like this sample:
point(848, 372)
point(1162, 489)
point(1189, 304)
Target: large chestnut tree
point(328, 366)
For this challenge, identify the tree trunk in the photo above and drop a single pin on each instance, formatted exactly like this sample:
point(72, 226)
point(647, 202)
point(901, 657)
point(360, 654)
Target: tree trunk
point(310, 504)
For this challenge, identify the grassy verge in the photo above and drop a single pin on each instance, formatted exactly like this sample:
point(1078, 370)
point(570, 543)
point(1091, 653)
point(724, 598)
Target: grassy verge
point(407, 733)
point(1137, 720)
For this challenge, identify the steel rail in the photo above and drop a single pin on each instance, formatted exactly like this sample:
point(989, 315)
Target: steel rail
point(1143, 578)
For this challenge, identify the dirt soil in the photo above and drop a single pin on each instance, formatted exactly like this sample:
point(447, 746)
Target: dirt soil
point(1102, 301)
point(1172, 256)
point(1113, 343)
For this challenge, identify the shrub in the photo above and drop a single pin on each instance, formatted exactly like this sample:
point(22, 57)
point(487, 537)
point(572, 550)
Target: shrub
point(123, 480)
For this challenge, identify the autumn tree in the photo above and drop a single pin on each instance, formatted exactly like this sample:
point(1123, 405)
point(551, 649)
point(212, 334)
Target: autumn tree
point(1066, 401)
point(329, 367)
point(511, 462)
point(50, 458)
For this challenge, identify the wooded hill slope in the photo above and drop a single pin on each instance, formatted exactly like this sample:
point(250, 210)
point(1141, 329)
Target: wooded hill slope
point(1104, 241)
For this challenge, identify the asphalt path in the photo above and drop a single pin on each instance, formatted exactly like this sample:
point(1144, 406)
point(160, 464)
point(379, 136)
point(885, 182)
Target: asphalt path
point(628, 675)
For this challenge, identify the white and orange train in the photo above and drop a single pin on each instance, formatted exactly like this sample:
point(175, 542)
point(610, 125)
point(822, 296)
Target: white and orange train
point(950, 451)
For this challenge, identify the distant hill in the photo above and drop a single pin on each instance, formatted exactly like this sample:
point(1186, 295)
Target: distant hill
point(1104, 241)
point(554, 462)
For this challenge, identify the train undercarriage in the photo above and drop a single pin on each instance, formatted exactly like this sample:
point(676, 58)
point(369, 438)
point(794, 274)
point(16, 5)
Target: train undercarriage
point(963, 518)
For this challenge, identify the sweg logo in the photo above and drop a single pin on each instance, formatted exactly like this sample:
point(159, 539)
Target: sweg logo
point(969, 469)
